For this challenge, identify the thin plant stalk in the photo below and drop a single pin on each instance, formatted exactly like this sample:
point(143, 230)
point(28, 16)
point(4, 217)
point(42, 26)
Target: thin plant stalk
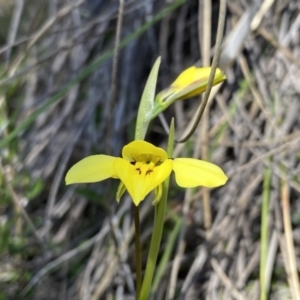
point(288, 233)
point(166, 255)
point(138, 251)
point(264, 233)
point(203, 133)
point(220, 30)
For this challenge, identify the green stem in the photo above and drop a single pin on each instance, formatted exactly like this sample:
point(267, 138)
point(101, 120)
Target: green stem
point(160, 209)
point(138, 251)
point(158, 226)
point(264, 234)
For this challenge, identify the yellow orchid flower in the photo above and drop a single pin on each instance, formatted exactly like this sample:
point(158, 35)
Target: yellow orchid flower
point(191, 82)
point(143, 168)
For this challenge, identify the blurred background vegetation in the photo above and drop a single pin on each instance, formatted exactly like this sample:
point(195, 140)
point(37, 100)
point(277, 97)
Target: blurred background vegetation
point(66, 92)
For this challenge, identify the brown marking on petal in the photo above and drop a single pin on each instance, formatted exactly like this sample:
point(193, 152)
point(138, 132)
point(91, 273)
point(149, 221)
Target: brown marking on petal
point(158, 163)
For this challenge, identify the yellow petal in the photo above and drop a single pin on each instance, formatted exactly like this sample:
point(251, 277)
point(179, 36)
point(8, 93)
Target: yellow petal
point(139, 185)
point(191, 172)
point(193, 81)
point(137, 149)
point(92, 169)
point(190, 75)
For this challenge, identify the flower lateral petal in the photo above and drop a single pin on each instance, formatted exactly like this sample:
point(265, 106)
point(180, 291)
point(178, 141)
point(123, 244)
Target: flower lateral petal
point(140, 185)
point(92, 169)
point(191, 172)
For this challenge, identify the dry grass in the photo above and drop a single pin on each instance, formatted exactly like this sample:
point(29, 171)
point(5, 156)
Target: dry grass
point(57, 242)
